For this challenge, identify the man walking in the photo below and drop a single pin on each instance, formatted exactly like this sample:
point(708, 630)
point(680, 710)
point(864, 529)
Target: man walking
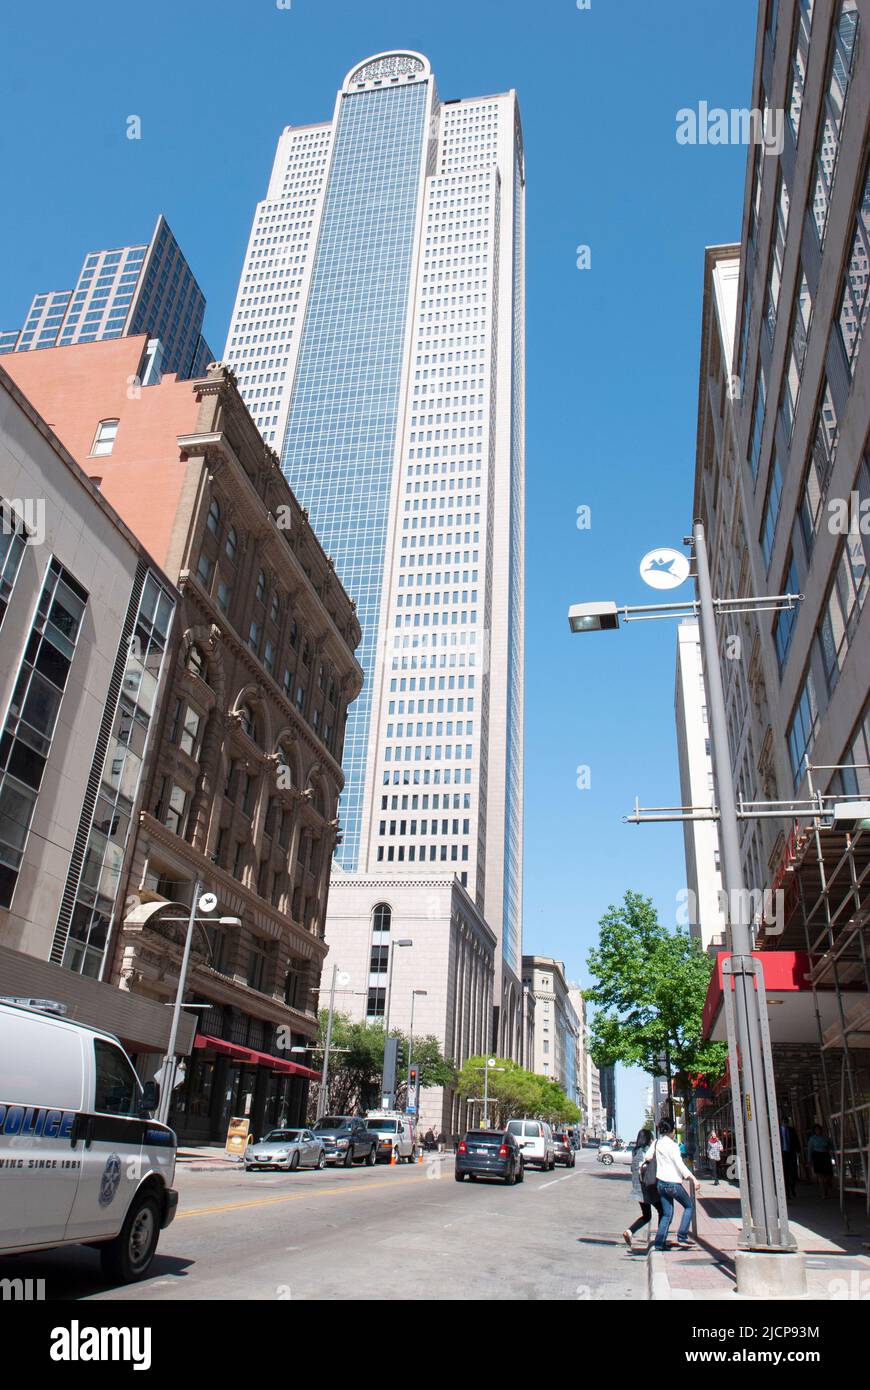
point(671, 1172)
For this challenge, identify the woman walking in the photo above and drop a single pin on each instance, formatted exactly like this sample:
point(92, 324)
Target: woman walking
point(648, 1197)
point(671, 1173)
point(714, 1155)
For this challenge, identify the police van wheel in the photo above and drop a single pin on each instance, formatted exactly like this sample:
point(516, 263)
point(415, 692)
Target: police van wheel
point(128, 1257)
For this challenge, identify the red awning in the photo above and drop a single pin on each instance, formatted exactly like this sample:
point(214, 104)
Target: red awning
point(791, 1004)
point(252, 1057)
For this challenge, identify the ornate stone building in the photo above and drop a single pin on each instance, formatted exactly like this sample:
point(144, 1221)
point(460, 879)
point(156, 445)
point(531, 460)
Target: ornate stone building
point(244, 769)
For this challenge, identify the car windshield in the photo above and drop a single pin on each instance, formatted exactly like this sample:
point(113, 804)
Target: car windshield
point(384, 1126)
point(332, 1122)
point(282, 1136)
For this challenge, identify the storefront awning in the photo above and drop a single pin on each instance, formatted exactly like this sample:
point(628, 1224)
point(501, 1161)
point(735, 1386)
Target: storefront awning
point(251, 1056)
point(791, 1006)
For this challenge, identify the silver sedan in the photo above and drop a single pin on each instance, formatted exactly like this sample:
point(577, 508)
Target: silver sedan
point(288, 1149)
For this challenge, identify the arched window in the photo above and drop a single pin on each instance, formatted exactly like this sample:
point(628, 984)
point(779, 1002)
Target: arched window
point(247, 721)
point(275, 608)
point(293, 635)
point(284, 774)
point(213, 520)
point(261, 587)
point(381, 917)
point(232, 544)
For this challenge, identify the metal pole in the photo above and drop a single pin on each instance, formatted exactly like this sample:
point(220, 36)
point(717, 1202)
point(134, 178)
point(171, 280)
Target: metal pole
point(169, 1059)
point(763, 1207)
point(387, 1023)
point(324, 1076)
point(485, 1093)
point(411, 1052)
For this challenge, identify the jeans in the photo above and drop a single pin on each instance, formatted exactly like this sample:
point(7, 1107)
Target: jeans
point(670, 1192)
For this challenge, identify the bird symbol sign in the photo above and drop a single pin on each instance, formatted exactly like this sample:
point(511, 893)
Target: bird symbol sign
point(664, 568)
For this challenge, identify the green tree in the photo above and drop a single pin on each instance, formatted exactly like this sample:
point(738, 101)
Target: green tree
point(514, 1091)
point(651, 984)
point(355, 1071)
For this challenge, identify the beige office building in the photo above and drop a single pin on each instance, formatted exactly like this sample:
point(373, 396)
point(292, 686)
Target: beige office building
point(783, 487)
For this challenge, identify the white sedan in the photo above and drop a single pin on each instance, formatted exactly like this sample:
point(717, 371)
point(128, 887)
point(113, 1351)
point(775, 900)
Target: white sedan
point(608, 1155)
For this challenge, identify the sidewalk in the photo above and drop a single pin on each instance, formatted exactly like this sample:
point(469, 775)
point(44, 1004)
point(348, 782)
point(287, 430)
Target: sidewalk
point(205, 1157)
point(838, 1264)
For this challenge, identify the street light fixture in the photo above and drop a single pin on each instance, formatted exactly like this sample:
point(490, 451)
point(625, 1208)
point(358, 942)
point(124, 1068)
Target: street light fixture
point(593, 617)
point(763, 1205)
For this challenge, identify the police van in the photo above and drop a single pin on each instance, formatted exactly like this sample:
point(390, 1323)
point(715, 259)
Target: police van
point(81, 1161)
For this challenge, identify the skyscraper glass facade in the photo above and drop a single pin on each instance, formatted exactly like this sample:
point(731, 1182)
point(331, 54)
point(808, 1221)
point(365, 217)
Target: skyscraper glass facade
point(378, 335)
point(341, 431)
point(133, 289)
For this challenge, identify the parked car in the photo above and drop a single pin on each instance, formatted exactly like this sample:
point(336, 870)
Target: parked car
point(346, 1138)
point(488, 1153)
point(83, 1162)
point(535, 1138)
point(394, 1133)
point(286, 1148)
point(563, 1150)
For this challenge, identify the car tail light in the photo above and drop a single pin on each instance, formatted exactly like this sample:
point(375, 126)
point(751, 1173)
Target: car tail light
point(462, 1149)
point(503, 1151)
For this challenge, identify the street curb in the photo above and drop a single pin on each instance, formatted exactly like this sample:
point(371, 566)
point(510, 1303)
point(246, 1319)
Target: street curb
point(658, 1283)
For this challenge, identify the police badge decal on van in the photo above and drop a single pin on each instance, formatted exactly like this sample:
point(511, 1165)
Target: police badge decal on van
point(110, 1181)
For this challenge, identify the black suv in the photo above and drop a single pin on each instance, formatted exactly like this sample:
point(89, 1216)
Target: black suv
point(345, 1139)
point(487, 1153)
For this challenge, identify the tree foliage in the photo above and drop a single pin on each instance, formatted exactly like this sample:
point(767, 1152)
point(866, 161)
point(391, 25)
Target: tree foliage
point(514, 1091)
point(651, 984)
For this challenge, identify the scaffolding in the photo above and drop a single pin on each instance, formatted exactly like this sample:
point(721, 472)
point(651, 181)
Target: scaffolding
point(830, 867)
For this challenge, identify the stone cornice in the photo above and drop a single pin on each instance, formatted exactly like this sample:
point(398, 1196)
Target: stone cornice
point(234, 478)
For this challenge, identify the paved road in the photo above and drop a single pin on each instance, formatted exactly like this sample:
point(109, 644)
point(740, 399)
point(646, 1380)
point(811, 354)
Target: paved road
point(403, 1232)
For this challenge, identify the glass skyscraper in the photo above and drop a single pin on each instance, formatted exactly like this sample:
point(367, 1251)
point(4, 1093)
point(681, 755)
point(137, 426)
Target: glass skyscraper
point(133, 289)
point(379, 340)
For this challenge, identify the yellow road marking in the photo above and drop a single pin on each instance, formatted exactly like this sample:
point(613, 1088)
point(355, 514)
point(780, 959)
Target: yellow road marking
point(294, 1197)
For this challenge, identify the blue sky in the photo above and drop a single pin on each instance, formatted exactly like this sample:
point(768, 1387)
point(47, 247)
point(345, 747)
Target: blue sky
point(612, 351)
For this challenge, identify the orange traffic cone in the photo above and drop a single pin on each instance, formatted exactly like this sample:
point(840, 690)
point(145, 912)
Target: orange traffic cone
point(393, 1158)
point(420, 1156)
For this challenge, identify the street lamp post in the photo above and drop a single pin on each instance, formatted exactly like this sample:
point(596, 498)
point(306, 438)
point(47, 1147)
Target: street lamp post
point(385, 1094)
point(414, 994)
point(765, 1217)
point(488, 1066)
point(169, 1060)
point(324, 1076)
